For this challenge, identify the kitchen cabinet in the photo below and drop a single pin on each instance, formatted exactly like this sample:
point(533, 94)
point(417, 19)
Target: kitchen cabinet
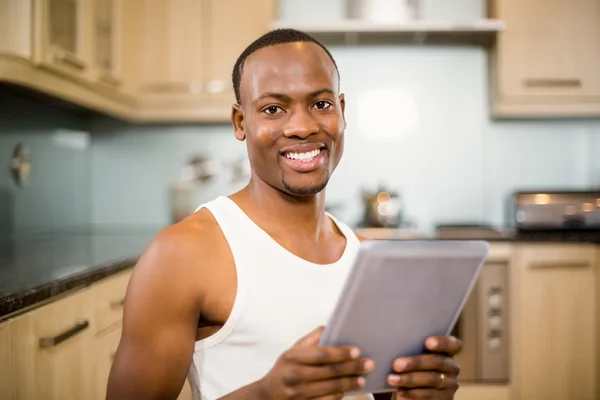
point(16, 28)
point(107, 34)
point(554, 336)
point(482, 392)
point(105, 350)
point(64, 40)
point(545, 63)
point(65, 348)
point(7, 389)
point(53, 347)
point(187, 50)
point(140, 61)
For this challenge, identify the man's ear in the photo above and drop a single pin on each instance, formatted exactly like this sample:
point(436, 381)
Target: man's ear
point(343, 106)
point(237, 118)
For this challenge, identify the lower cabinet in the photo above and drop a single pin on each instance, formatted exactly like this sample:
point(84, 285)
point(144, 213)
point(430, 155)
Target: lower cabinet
point(64, 350)
point(53, 350)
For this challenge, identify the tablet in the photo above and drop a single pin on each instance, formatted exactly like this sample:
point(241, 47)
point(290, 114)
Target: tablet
point(397, 294)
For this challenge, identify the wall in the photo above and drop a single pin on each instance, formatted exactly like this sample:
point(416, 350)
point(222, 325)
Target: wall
point(417, 122)
point(57, 195)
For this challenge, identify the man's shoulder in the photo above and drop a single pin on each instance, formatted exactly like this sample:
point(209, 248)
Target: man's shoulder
point(184, 242)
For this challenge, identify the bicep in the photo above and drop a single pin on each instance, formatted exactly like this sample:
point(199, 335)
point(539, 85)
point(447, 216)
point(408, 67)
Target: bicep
point(159, 331)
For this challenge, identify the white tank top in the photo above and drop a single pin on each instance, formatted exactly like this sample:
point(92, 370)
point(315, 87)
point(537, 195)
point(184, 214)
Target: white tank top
point(280, 298)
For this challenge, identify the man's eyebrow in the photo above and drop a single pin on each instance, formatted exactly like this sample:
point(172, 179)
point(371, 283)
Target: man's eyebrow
point(284, 97)
point(321, 91)
point(279, 96)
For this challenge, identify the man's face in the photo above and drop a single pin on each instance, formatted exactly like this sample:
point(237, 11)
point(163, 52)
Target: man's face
point(292, 117)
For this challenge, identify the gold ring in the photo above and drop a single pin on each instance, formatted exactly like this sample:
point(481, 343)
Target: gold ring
point(442, 382)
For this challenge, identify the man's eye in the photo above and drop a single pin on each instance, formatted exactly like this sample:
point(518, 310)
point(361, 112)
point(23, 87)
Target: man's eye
point(322, 105)
point(272, 110)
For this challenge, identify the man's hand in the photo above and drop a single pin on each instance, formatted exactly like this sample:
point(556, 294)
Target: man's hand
point(430, 376)
point(309, 371)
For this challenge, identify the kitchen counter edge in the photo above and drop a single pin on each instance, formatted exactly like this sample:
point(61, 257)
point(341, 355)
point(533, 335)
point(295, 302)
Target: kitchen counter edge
point(16, 303)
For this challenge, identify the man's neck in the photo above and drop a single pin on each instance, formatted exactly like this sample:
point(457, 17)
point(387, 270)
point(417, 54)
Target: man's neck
point(305, 214)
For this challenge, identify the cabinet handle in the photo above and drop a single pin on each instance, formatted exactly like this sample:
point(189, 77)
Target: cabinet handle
point(109, 79)
point(192, 88)
point(117, 303)
point(69, 59)
point(549, 83)
point(53, 341)
point(559, 264)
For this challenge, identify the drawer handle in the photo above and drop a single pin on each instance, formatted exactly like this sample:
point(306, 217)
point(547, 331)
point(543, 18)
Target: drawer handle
point(549, 83)
point(558, 264)
point(53, 341)
point(69, 59)
point(117, 303)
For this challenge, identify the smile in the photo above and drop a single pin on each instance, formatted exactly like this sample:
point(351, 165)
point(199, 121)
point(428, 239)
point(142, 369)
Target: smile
point(305, 157)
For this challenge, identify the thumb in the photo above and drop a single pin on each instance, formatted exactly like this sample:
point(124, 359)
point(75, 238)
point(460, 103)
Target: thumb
point(312, 339)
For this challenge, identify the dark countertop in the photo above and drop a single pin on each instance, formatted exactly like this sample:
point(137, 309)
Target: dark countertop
point(34, 268)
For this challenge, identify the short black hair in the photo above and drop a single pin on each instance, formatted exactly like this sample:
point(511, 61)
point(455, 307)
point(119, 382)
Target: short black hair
point(272, 38)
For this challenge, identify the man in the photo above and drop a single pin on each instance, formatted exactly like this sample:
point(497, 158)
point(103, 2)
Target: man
point(234, 296)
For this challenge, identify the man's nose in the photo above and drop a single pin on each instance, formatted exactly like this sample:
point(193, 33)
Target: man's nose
point(300, 124)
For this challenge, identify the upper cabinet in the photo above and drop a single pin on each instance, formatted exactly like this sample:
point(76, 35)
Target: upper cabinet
point(137, 60)
point(107, 38)
point(62, 26)
point(186, 50)
point(546, 61)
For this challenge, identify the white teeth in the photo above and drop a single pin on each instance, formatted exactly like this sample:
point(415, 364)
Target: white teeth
point(308, 156)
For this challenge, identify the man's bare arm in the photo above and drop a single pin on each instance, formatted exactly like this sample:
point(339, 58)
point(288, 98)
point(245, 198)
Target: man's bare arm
point(160, 321)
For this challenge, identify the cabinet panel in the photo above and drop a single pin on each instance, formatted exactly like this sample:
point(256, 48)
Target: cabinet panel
point(556, 321)
point(483, 392)
point(16, 19)
point(548, 57)
point(105, 349)
point(65, 42)
point(109, 298)
point(170, 45)
point(52, 350)
point(249, 20)
point(107, 41)
point(7, 389)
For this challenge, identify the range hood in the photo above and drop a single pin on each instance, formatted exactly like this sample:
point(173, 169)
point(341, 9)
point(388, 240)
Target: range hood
point(480, 32)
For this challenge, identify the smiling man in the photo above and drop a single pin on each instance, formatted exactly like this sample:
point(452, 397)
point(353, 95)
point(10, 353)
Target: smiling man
point(234, 296)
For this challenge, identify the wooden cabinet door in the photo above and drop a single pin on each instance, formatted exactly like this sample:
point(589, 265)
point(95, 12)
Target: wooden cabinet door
point(105, 348)
point(16, 25)
point(7, 389)
point(107, 41)
point(170, 47)
point(64, 36)
point(230, 26)
point(548, 57)
point(554, 337)
point(54, 350)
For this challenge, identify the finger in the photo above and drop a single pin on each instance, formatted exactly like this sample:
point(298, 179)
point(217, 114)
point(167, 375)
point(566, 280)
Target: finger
point(444, 344)
point(321, 355)
point(332, 386)
point(426, 362)
point(349, 368)
point(311, 339)
point(432, 380)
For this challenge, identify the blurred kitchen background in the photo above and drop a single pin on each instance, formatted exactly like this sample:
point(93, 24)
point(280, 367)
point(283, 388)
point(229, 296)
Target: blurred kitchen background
point(420, 124)
point(462, 115)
